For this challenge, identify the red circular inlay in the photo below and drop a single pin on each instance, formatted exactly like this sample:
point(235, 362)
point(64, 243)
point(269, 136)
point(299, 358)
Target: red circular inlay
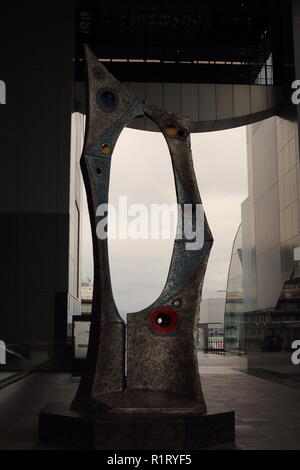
point(163, 319)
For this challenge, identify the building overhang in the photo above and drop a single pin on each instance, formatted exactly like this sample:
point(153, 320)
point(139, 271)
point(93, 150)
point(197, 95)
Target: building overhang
point(211, 107)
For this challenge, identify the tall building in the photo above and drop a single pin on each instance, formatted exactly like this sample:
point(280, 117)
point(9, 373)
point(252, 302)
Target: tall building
point(262, 311)
point(40, 176)
point(270, 215)
point(270, 220)
point(262, 307)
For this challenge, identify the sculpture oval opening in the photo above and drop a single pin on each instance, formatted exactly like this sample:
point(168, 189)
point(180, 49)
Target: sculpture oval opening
point(142, 224)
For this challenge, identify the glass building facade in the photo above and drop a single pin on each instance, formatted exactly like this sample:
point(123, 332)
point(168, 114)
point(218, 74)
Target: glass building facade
point(262, 313)
point(275, 329)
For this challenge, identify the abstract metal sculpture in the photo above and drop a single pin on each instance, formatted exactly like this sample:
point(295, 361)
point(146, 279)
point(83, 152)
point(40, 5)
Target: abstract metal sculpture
point(162, 366)
point(145, 394)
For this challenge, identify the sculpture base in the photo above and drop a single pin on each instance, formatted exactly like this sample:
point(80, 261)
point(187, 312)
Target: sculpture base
point(151, 431)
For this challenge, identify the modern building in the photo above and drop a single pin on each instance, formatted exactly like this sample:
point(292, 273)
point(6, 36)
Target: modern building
point(262, 307)
point(270, 226)
point(224, 64)
point(86, 295)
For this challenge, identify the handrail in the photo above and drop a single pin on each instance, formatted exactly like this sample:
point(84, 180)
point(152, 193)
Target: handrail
point(24, 358)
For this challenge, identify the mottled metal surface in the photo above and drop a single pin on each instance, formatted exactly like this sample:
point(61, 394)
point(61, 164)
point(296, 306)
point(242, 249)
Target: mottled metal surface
point(167, 361)
point(158, 360)
point(105, 358)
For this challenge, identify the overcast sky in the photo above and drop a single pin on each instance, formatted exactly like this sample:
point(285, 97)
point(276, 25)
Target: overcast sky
point(141, 169)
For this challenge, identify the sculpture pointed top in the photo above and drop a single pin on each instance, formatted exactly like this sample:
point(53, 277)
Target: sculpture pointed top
point(108, 99)
point(88, 53)
point(98, 70)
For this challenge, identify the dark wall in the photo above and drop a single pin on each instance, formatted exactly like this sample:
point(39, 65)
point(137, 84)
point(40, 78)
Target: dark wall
point(36, 63)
